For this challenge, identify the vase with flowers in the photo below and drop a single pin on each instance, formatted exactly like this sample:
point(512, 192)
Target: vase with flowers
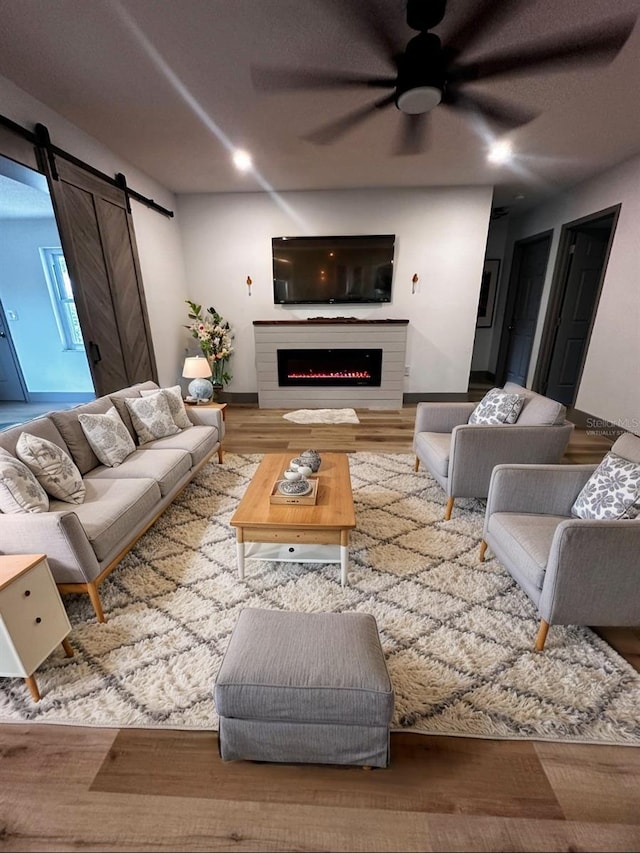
point(214, 336)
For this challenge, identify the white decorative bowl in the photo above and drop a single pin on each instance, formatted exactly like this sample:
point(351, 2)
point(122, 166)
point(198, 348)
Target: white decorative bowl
point(290, 474)
point(305, 470)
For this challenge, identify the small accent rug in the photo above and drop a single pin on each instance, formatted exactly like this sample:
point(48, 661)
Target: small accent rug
point(323, 416)
point(457, 634)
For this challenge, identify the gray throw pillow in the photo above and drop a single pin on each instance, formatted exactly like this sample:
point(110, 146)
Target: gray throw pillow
point(612, 491)
point(173, 397)
point(108, 436)
point(151, 417)
point(54, 469)
point(19, 489)
point(497, 407)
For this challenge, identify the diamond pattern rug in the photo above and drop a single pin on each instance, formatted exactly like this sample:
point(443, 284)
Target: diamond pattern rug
point(457, 634)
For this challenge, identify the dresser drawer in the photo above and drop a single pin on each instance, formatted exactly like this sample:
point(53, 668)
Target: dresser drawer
point(33, 617)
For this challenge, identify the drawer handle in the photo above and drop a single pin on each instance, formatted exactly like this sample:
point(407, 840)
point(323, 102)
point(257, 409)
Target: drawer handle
point(27, 593)
point(291, 550)
point(38, 620)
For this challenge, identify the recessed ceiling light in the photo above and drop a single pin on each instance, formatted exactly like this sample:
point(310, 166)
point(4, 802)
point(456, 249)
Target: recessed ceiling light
point(500, 152)
point(242, 160)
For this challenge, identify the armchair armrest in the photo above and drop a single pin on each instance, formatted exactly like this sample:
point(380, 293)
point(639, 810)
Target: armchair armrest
point(477, 448)
point(59, 535)
point(441, 417)
point(203, 416)
point(541, 489)
point(592, 573)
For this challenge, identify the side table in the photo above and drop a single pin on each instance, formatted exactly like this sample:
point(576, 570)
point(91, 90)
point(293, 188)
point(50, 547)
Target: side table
point(33, 620)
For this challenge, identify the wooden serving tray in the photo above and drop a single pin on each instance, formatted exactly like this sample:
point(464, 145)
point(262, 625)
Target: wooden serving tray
point(304, 500)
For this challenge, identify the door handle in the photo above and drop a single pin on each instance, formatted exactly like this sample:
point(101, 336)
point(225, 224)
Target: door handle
point(94, 352)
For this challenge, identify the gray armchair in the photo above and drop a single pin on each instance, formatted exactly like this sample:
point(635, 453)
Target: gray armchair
point(461, 456)
point(576, 571)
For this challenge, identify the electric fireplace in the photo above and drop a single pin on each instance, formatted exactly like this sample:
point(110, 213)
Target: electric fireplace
point(329, 367)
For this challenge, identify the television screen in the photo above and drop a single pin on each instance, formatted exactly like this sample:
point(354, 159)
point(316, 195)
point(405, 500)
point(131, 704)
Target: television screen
point(327, 270)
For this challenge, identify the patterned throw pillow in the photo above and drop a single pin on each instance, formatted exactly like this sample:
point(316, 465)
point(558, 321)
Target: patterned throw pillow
point(19, 489)
point(151, 417)
point(173, 397)
point(55, 470)
point(497, 407)
point(612, 491)
point(108, 436)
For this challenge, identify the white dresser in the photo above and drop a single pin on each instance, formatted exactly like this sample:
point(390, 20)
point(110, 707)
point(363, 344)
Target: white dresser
point(33, 620)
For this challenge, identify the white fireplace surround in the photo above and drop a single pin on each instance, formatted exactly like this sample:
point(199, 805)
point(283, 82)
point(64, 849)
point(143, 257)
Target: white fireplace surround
point(388, 335)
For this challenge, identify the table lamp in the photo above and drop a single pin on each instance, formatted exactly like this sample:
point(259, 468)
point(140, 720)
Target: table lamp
point(197, 369)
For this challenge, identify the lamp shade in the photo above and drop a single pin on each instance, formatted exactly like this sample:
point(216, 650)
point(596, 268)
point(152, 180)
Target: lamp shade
point(196, 367)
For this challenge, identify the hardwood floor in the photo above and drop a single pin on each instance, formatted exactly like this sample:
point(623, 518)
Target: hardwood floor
point(70, 788)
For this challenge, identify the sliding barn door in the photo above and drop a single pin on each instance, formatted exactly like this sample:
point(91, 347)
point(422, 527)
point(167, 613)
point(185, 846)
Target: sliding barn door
point(99, 246)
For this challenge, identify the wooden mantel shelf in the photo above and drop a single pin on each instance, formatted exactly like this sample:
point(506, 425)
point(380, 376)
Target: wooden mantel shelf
point(321, 320)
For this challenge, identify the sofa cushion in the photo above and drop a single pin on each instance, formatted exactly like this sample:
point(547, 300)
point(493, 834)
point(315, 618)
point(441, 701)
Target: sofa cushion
point(69, 427)
point(151, 417)
point(611, 492)
point(434, 449)
point(199, 442)
point(537, 410)
point(166, 467)
point(20, 491)
point(497, 407)
point(112, 510)
point(42, 427)
point(54, 469)
point(108, 436)
point(173, 397)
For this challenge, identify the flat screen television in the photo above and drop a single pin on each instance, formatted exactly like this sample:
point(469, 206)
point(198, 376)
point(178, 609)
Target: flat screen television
point(332, 270)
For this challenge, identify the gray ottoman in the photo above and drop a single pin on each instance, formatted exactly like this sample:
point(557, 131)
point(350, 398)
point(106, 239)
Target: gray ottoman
point(304, 687)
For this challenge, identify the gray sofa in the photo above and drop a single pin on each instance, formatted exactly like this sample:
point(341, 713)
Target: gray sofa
point(461, 456)
point(84, 542)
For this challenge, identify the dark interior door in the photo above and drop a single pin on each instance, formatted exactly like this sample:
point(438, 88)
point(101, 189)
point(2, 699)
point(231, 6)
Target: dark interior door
point(99, 245)
point(10, 378)
point(588, 251)
point(531, 266)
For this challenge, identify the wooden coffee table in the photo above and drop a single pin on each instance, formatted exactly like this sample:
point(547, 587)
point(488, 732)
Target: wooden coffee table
point(296, 533)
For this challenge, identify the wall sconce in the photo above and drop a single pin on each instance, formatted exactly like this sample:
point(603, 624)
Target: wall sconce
point(249, 283)
point(414, 281)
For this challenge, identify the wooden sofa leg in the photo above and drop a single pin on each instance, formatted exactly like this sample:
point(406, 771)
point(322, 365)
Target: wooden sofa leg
point(220, 455)
point(542, 635)
point(416, 464)
point(448, 509)
point(92, 589)
point(483, 549)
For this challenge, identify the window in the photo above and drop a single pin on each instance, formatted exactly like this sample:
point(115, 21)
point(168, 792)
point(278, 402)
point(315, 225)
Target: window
point(64, 308)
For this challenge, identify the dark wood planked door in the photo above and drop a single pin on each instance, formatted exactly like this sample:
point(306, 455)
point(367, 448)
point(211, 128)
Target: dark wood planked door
point(99, 245)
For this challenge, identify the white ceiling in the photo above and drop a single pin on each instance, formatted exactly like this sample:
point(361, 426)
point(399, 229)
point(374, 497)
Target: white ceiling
point(166, 84)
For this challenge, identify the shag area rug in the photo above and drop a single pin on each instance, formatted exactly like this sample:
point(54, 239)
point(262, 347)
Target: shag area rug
point(457, 634)
point(322, 416)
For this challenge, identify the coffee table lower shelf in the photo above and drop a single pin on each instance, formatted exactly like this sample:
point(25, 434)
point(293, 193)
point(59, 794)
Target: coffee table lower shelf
point(294, 553)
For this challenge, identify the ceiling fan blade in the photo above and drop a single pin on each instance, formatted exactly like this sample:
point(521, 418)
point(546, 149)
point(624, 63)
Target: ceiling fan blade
point(329, 133)
point(289, 79)
point(496, 111)
point(486, 15)
point(411, 139)
point(588, 46)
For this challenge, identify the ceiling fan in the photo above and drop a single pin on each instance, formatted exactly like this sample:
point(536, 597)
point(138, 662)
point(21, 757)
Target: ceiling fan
point(429, 73)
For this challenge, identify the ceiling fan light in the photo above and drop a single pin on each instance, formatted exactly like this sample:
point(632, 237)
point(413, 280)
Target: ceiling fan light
point(419, 99)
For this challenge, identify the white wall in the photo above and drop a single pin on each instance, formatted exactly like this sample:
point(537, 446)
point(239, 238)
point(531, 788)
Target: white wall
point(158, 237)
point(440, 235)
point(610, 385)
